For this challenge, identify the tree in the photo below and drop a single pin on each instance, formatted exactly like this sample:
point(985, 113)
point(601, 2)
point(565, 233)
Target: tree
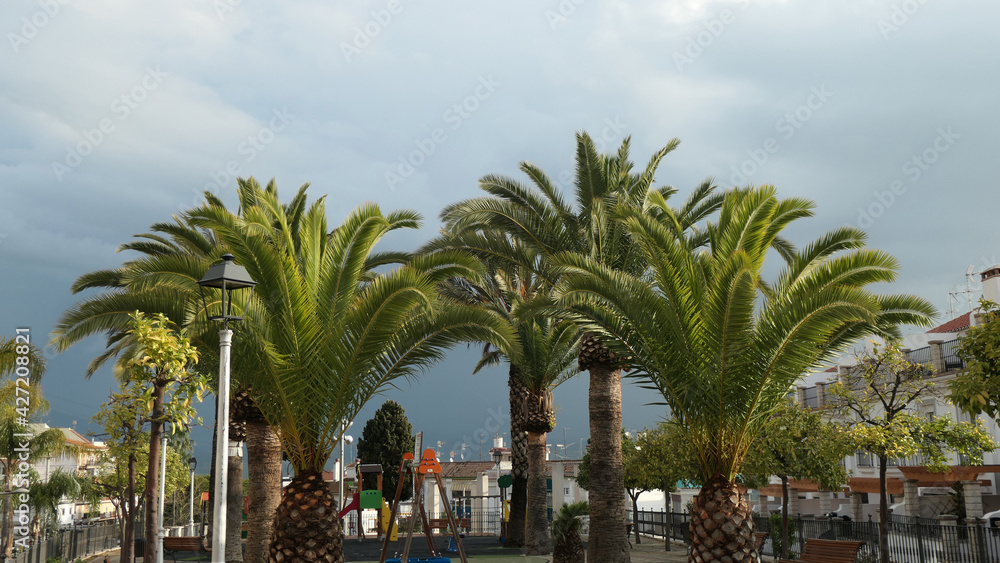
point(173, 256)
point(165, 382)
point(976, 389)
point(654, 459)
point(879, 397)
point(327, 332)
point(21, 403)
point(386, 437)
point(798, 443)
point(538, 216)
point(721, 344)
point(566, 533)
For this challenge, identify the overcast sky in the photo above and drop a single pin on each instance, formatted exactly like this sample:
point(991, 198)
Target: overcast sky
point(116, 115)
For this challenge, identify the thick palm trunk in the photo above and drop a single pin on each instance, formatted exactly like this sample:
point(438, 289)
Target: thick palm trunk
point(234, 505)
point(518, 461)
point(305, 523)
point(607, 542)
point(151, 496)
point(722, 524)
point(536, 535)
point(264, 461)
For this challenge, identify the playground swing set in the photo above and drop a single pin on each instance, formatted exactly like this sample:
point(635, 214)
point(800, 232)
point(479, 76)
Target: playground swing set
point(428, 468)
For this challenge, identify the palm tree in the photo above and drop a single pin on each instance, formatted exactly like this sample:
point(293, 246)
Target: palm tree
point(163, 279)
point(328, 333)
point(539, 360)
point(566, 533)
point(538, 217)
point(722, 344)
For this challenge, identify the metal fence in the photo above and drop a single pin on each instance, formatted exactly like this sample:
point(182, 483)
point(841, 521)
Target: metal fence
point(950, 357)
point(911, 540)
point(71, 544)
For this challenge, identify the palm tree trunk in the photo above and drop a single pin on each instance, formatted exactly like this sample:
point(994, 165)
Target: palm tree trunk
point(151, 496)
point(536, 535)
point(234, 505)
point(608, 542)
point(721, 522)
point(305, 524)
point(264, 461)
point(518, 461)
point(883, 510)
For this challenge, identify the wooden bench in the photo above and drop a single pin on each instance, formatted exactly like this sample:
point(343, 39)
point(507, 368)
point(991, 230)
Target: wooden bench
point(828, 551)
point(174, 544)
point(758, 540)
point(442, 523)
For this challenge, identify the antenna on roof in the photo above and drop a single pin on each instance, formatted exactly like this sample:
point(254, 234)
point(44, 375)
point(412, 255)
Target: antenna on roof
point(954, 294)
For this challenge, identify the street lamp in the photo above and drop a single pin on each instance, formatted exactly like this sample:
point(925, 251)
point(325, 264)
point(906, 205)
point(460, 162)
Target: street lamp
point(193, 464)
point(228, 277)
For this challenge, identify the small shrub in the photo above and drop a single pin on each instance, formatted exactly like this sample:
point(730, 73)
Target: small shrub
point(567, 545)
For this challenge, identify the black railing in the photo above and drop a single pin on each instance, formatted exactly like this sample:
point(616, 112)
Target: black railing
point(71, 544)
point(911, 539)
point(920, 356)
point(950, 357)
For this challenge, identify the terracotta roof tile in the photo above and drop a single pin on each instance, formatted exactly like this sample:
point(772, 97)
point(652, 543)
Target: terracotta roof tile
point(957, 324)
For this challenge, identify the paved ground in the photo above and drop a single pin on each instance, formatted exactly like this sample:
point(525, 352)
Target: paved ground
point(479, 549)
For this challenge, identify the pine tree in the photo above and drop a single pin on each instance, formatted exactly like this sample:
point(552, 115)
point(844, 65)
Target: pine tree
point(386, 437)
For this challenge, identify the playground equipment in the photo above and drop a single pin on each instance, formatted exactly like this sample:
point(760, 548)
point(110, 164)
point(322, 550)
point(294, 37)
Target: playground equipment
point(428, 467)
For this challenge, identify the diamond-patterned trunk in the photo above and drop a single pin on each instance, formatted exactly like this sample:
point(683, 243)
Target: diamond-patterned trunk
point(722, 525)
point(518, 459)
point(306, 528)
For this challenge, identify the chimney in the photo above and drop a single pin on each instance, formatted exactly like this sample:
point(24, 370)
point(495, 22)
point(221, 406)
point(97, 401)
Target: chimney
point(990, 278)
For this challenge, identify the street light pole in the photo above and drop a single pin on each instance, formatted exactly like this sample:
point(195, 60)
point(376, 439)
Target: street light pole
point(226, 276)
point(161, 531)
point(192, 463)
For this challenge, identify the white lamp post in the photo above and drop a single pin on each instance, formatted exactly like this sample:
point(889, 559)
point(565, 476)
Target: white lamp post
point(161, 531)
point(192, 463)
point(228, 277)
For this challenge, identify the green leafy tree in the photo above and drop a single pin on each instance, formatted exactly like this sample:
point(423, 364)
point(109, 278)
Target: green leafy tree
point(385, 438)
point(976, 389)
point(798, 443)
point(20, 405)
point(539, 217)
point(721, 343)
point(879, 398)
point(163, 377)
point(327, 332)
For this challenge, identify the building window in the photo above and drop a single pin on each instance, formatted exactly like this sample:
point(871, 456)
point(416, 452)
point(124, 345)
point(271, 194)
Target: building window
point(864, 459)
point(565, 491)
